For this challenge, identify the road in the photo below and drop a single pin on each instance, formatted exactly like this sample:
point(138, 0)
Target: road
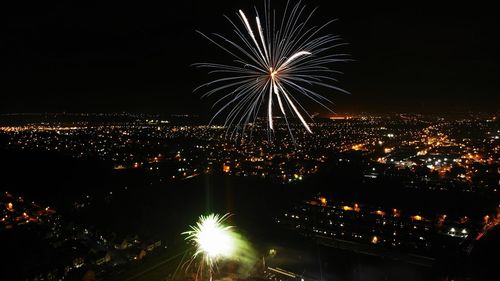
point(157, 268)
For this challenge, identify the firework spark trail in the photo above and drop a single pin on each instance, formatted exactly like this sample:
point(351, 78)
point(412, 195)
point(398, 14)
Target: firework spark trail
point(212, 241)
point(285, 59)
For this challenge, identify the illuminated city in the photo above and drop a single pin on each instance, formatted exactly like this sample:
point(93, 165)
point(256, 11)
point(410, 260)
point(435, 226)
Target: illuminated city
point(420, 154)
point(254, 140)
point(429, 152)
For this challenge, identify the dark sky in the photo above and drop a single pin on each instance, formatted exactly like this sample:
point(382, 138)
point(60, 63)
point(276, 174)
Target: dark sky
point(136, 57)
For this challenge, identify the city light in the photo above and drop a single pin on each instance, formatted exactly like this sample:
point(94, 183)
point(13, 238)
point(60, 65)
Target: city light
point(323, 201)
point(347, 208)
point(417, 217)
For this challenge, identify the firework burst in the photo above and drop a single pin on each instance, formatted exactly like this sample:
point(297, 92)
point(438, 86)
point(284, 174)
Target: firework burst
point(212, 241)
point(278, 60)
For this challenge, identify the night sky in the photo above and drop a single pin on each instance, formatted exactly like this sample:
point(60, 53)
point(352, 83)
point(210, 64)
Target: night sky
point(95, 57)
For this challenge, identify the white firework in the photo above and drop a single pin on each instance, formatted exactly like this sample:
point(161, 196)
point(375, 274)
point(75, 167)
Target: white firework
point(213, 240)
point(279, 60)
